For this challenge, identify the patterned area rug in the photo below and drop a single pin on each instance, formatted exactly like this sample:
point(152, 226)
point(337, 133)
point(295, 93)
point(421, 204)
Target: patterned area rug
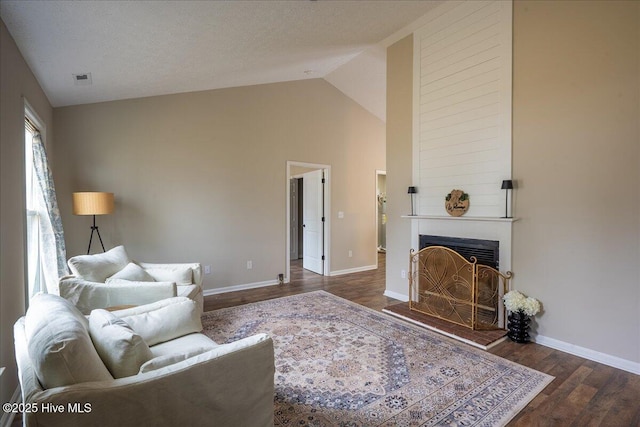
point(342, 364)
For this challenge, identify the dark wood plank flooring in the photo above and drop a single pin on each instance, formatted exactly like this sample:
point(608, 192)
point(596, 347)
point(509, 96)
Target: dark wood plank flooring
point(584, 393)
point(364, 288)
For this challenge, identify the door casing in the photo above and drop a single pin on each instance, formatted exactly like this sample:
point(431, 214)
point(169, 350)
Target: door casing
point(327, 215)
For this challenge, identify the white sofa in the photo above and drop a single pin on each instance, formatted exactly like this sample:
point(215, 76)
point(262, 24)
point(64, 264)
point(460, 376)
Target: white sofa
point(86, 368)
point(114, 279)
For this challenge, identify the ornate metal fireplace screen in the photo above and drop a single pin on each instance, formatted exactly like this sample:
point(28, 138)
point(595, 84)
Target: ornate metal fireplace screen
point(442, 283)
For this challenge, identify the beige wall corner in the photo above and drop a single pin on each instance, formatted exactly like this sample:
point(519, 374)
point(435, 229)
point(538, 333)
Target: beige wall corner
point(364, 80)
point(17, 83)
point(576, 159)
point(399, 161)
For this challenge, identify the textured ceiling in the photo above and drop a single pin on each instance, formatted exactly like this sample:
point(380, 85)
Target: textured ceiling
point(144, 48)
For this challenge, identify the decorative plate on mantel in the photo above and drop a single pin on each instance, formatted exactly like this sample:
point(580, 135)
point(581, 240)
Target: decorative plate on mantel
point(457, 203)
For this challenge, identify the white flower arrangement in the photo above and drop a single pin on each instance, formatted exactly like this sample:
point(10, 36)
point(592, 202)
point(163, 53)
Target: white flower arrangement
point(515, 301)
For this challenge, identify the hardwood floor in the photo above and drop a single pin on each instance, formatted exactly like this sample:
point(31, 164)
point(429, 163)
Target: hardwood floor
point(365, 288)
point(584, 393)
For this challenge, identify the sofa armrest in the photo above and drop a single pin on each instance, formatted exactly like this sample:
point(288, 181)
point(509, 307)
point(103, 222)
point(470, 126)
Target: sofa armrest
point(90, 295)
point(231, 385)
point(194, 266)
point(29, 383)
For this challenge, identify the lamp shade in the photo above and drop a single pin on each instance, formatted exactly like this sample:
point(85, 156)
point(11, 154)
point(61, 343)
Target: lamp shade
point(507, 184)
point(92, 203)
point(412, 190)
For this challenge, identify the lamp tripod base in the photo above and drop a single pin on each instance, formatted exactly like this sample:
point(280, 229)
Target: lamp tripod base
point(94, 228)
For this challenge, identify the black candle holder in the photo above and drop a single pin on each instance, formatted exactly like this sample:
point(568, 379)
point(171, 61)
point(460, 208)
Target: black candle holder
point(507, 185)
point(411, 191)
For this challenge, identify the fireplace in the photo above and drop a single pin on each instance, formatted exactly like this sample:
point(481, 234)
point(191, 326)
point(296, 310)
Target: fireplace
point(486, 252)
point(453, 285)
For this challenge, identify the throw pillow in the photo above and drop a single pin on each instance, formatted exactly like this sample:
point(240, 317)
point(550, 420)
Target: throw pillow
point(170, 359)
point(121, 349)
point(96, 268)
point(59, 345)
point(141, 309)
point(180, 275)
point(178, 318)
point(132, 272)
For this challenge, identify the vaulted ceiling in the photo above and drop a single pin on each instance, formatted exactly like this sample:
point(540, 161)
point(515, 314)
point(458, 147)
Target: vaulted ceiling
point(144, 48)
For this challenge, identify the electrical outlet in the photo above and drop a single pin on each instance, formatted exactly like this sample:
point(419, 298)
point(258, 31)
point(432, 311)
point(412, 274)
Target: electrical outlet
point(403, 274)
point(207, 269)
point(249, 265)
point(350, 254)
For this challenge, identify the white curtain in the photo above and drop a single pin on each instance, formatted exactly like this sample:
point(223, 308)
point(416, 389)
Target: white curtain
point(49, 240)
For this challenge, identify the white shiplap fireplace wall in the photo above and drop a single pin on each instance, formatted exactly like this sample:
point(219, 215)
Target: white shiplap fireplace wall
point(462, 120)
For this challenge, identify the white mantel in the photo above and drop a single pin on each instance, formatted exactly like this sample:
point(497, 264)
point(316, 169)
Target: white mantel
point(489, 228)
point(461, 218)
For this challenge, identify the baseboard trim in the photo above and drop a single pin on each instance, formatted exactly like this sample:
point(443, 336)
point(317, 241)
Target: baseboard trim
point(243, 287)
point(396, 295)
point(353, 270)
point(215, 291)
point(7, 417)
point(596, 356)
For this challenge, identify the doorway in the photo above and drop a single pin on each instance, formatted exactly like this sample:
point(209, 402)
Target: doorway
point(295, 218)
point(381, 210)
point(308, 199)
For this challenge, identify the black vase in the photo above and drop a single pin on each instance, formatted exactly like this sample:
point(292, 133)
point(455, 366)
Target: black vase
point(518, 326)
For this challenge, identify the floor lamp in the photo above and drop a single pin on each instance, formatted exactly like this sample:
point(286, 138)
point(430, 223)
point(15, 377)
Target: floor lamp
point(93, 203)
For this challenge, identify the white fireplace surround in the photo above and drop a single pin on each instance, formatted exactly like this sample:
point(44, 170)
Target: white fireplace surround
point(487, 228)
point(462, 121)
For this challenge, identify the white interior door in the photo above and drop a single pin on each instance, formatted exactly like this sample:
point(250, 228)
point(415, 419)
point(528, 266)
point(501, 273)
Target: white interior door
point(312, 217)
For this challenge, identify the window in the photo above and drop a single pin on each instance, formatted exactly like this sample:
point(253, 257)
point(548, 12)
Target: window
point(46, 254)
point(34, 264)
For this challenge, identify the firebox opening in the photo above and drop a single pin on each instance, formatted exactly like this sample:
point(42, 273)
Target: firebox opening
point(487, 252)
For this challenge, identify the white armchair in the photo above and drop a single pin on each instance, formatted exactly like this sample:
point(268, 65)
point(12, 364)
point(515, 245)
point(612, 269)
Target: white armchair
point(113, 279)
point(189, 380)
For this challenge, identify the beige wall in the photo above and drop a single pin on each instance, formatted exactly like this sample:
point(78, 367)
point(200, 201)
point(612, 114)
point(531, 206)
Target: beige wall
point(399, 161)
point(16, 82)
point(576, 157)
point(202, 176)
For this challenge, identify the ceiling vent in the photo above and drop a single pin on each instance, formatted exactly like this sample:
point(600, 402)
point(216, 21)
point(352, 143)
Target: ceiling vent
point(83, 79)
